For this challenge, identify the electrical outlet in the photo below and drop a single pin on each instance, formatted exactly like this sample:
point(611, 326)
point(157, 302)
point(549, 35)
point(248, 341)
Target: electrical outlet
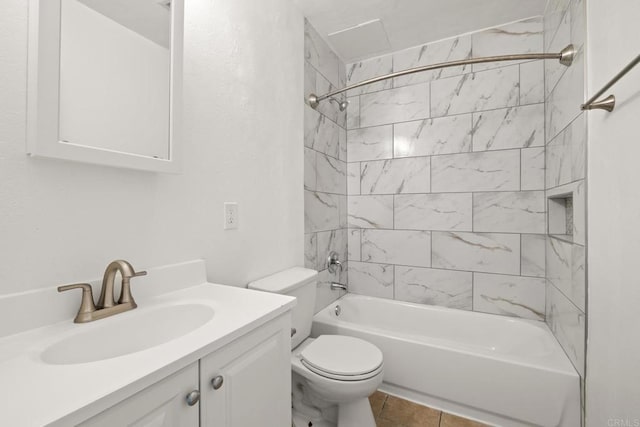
point(230, 215)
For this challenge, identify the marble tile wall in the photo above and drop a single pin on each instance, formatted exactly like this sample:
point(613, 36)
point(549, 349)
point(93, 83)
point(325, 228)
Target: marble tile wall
point(445, 176)
point(325, 167)
point(565, 175)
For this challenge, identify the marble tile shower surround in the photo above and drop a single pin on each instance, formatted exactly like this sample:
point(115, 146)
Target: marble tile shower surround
point(325, 167)
point(564, 22)
point(445, 176)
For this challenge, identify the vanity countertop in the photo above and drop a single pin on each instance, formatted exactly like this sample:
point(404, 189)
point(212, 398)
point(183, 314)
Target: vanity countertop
point(35, 393)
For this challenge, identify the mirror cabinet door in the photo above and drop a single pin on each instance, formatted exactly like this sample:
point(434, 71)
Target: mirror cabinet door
point(105, 82)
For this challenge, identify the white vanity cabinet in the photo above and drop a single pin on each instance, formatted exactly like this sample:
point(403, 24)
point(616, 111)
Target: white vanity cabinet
point(244, 383)
point(160, 405)
point(248, 382)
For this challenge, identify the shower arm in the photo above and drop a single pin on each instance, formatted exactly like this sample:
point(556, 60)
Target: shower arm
point(565, 57)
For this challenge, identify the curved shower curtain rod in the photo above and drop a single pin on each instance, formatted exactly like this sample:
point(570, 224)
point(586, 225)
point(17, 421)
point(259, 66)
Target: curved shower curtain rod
point(565, 57)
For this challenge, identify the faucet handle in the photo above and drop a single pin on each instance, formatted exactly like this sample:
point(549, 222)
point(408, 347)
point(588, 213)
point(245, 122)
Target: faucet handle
point(86, 306)
point(333, 261)
point(125, 292)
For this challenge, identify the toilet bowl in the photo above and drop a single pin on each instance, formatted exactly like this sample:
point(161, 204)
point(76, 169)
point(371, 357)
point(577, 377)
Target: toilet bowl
point(341, 371)
point(332, 375)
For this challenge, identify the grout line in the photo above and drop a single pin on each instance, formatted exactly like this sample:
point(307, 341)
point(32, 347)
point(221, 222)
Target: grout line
point(393, 81)
point(556, 187)
point(520, 170)
point(393, 267)
point(393, 140)
point(320, 73)
point(325, 116)
point(473, 291)
point(561, 131)
point(430, 174)
point(431, 249)
point(359, 111)
point(520, 84)
point(384, 403)
point(441, 193)
point(325, 154)
point(450, 269)
point(509, 233)
point(564, 72)
point(472, 132)
point(570, 299)
point(449, 115)
point(473, 197)
point(430, 99)
point(521, 256)
point(499, 150)
point(318, 264)
point(393, 212)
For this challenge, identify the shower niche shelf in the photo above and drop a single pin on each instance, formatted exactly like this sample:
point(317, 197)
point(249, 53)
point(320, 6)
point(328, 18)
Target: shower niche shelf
point(561, 216)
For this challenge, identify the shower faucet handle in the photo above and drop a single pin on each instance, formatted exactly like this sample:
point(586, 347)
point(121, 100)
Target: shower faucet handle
point(333, 261)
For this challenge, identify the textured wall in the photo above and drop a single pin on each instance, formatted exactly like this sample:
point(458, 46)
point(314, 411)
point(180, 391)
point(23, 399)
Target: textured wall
point(62, 222)
point(565, 175)
point(325, 155)
point(445, 176)
point(613, 395)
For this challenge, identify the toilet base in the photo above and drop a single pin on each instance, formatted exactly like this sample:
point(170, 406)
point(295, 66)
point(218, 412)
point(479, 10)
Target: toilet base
point(300, 420)
point(356, 414)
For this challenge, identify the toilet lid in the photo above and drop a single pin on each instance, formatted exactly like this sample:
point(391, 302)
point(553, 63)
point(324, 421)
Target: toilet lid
point(342, 355)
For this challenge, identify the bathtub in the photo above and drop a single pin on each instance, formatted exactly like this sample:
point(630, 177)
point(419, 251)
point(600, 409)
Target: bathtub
point(495, 369)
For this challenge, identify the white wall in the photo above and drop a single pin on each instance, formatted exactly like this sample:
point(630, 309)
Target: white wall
point(613, 349)
point(62, 222)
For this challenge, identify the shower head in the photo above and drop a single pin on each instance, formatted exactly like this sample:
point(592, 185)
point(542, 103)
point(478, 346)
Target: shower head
point(342, 105)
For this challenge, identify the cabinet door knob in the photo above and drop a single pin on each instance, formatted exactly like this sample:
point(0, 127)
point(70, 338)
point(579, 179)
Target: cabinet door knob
point(216, 382)
point(193, 397)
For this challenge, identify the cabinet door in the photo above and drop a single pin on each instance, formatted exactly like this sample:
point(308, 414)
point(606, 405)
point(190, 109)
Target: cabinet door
point(252, 376)
point(163, 404)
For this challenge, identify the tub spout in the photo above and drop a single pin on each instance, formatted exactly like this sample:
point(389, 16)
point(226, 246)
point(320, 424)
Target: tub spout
point(338, 286)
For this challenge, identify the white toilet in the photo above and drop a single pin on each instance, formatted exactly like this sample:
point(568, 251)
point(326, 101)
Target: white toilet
point(333, 375)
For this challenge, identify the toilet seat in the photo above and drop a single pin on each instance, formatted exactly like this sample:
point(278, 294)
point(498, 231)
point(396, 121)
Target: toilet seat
point(342, 358)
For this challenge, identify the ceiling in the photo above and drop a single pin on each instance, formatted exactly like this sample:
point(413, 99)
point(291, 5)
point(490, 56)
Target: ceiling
point(406, 23)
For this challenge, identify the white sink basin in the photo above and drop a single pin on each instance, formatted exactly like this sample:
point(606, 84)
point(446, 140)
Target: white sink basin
point(120, 336)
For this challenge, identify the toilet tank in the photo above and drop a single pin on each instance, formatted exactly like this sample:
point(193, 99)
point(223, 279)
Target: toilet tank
point(296, 282)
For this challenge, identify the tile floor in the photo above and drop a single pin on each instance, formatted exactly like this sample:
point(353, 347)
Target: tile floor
point(391, 411)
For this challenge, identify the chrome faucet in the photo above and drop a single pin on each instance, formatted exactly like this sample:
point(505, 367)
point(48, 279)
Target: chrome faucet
point(338, 287)
point(106, 304)
point(333, 262)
